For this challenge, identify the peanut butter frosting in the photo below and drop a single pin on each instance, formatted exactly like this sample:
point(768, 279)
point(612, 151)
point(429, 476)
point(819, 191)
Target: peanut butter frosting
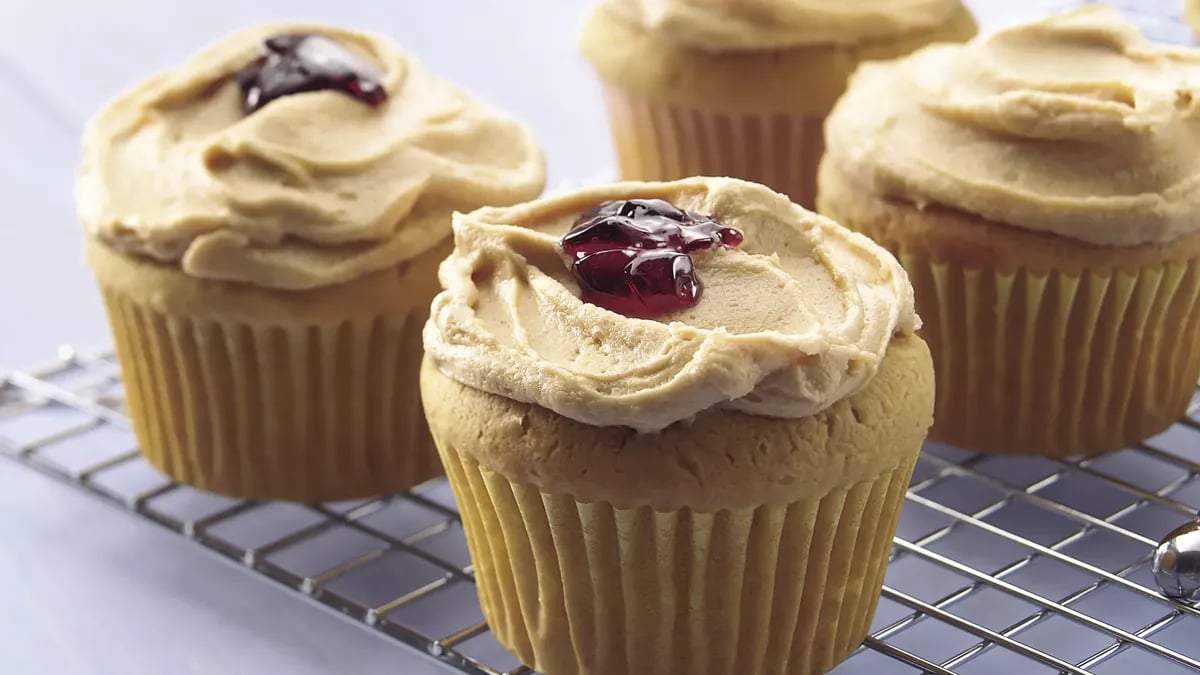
point(794, 320)
point(1076, 125)
point(752, 25)
point(312, 189)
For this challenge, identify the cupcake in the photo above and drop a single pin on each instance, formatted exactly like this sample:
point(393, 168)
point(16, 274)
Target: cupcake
point(265, 223)
point(680, 419)
point(1042, 187)
point(719, 88)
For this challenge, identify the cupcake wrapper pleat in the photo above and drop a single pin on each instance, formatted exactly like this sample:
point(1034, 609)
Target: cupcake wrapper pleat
point(1058, 364)
point(308, 413)
point(585, 588)
point(661, 141)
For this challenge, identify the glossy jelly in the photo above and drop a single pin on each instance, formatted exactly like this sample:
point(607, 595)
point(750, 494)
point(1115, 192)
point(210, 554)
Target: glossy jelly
point(295, 63)
point(634, 256)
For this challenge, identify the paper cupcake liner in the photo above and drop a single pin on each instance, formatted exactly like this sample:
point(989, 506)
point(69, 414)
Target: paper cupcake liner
point(306, 413)
point(660, 141)
point(1058, 364)
point(576, 588)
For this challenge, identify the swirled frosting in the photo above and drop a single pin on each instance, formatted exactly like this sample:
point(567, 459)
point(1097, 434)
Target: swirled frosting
point(313, 189)
point(1075, 125)
point(730, 25)
point(795, 319)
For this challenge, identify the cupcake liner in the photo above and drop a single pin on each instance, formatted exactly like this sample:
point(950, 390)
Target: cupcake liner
point(299, 412)
point(661, 141)
point(1058, 364)
point(576, 588)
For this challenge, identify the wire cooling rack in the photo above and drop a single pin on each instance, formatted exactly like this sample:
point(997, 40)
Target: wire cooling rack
point(1001, 566)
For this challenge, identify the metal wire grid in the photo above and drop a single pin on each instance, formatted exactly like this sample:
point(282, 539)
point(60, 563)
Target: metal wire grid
point(1001, 565)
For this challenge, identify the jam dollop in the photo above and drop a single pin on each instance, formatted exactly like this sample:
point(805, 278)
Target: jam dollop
point(294, 63)
point(634, 256)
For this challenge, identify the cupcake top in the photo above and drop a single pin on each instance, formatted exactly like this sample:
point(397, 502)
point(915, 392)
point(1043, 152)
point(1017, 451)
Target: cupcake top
point(753, 25)
point(1075, 125)
point(645, 304)
point(296, 157)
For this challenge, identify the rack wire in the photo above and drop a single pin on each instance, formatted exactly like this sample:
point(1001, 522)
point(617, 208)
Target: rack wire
point(1000, 565)
point(393, 562)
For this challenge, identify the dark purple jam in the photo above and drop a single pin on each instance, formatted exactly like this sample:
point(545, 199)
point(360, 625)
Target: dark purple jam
point(295, 63)
point(633, 256)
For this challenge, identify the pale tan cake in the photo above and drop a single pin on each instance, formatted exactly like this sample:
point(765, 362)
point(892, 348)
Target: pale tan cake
point(268, 267)
point(720, 88)
point(1041, 186)
point(710, 490)
point(1191, 13)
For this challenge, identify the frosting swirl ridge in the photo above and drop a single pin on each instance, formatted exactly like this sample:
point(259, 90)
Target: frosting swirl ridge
point(1075, 125)
point(772, 24)
point(312, 189)
point(794, 320)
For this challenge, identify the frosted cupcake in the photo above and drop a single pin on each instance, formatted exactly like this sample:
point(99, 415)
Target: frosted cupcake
point(720, 88)
point(680, 419)
point(265, 223)
point(1042, 187)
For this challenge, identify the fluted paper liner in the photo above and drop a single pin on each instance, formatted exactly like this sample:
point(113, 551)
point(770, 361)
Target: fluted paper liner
point(1057, 364)
point(576, 588)
point(306, 413)
point(661, 141)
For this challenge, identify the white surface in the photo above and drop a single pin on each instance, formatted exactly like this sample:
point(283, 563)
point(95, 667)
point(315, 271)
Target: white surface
point(91, 589)
point(87, 588)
